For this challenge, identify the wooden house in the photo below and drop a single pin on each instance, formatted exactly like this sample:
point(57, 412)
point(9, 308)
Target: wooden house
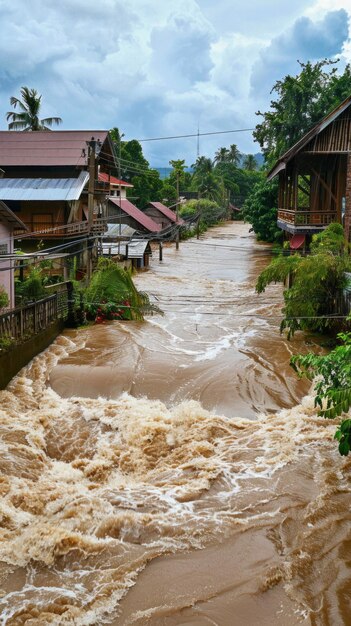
point(162, 215)
point(49, 177)
point(122, 211)
point(8, 222)
point(315, 178)
point(53, 182)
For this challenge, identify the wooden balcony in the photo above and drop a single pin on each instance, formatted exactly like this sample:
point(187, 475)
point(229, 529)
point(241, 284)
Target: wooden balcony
point(307, 218)
point(62, 231)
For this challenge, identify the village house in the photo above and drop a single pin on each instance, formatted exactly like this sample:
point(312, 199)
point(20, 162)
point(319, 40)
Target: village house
point(162, 215)
point(117, 188)
point(122, 211)
point(8, 222)
point(55, 183)
point(315, 179)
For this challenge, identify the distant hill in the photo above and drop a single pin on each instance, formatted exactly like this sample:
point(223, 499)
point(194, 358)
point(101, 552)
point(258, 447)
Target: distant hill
point(165, 171)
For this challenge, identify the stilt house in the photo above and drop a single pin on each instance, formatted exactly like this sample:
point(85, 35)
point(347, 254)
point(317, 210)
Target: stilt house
point(315, 179)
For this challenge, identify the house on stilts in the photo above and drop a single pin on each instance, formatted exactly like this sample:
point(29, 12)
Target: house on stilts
point(315, 179)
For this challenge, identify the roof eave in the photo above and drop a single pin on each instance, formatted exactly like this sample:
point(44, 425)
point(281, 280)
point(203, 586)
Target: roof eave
point(299, 145)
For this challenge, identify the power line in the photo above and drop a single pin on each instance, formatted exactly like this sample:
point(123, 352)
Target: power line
point(217, 132)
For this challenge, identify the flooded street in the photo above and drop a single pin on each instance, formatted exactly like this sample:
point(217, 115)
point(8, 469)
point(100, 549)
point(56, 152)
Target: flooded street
point(174, 472)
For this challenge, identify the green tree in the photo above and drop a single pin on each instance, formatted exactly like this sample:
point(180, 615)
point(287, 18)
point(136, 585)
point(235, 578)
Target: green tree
point(234, 155)
point(28, 118)
point(228, 174)
point(261, 211)
point(178, 176)
point(135, 168)
point(202, 165)
point(302, 101)
point(250, 163)
point(222, 155)
point(210, 212)
point(111, 294)
point(317, 280)
point(332, 376)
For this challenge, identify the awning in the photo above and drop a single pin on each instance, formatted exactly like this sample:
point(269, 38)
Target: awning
point(297, 241)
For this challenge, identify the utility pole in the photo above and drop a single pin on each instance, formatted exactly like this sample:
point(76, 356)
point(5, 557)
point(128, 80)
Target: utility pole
point(119, 154)
point(91, 194)
point(177, 212)
point(91, 184)
point(120, 188)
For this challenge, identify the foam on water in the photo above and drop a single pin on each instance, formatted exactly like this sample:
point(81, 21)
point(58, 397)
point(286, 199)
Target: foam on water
point(93, 489)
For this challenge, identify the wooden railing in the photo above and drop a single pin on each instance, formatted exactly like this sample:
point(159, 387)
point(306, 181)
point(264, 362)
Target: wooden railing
point(73, 229)
point(307, 218)
point(23, 322)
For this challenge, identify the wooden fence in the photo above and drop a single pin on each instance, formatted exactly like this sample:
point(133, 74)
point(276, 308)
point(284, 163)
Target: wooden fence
point(22, 323)
point(30, 319)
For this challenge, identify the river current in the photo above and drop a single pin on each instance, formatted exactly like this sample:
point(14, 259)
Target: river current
point(174, 472)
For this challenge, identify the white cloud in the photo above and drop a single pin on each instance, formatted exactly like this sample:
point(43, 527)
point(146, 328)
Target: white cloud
point(157, 68)
point(305, 40)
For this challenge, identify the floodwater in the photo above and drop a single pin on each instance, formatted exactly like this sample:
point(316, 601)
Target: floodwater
point(174, 472)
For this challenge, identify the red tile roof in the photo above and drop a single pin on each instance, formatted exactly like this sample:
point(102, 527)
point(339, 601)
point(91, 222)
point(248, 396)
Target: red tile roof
point(166, 212)
point(54, 147)
point(136, 214)
point(113, 181)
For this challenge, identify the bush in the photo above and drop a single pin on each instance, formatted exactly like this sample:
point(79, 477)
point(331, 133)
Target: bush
point(6, 343)
point(112, 294)
point(31, 288)
point(4, 299)
point(333, 385)
point(210, 212)
point(261, 211)
point(316, 282)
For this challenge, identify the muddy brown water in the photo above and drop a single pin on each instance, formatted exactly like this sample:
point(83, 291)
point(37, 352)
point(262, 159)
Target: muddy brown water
point(174, 472)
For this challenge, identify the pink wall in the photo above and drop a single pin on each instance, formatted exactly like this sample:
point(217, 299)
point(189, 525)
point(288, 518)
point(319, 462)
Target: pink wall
point(7, 275)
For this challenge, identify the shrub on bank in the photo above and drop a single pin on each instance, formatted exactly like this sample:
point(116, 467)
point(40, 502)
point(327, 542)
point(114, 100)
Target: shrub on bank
point(112, 294)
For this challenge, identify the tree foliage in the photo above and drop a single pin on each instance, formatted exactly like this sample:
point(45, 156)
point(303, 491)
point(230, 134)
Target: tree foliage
point(332, 374)
point(316, 279)
point(112, 294)
point(4, 299)
point(219, 180)
point(250, 163)
point(134, 168)
point(28, 118)
point(261, 211)
point(210, 213)
point(302, 101)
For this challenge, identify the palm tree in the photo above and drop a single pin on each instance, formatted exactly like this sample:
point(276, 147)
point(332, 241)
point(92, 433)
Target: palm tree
point(234, 155)
point(202, 165)
point(28, 119)
point(222, 155)
point(250, 163)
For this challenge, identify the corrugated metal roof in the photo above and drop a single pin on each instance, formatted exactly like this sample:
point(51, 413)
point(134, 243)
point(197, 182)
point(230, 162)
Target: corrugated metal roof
point(118, 230)
point(43, 188)
point(299, 145)
point(136, 248)
point(46, 148)
point(140, 217)
point(113, 181)
point(10, 217)
point(171, 215)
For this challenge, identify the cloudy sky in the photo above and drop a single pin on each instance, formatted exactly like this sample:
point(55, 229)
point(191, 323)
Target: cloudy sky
point(157, 68)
